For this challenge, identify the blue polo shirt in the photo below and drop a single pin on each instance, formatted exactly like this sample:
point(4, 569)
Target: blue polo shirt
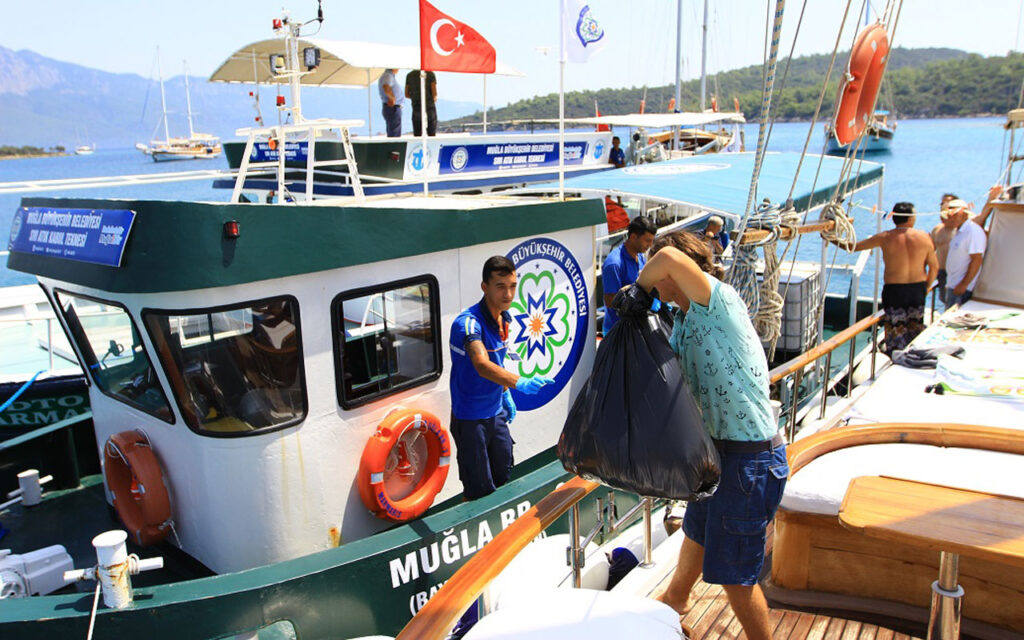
point(619, 269)
point(474, 397)
point(617, 156)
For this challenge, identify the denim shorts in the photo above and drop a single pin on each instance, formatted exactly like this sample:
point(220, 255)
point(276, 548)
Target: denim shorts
point(731, 524)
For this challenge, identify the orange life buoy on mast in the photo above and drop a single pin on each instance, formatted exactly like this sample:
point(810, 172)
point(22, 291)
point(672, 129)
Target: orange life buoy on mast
point(136, 481)
point(404, 465)
point(859, 88)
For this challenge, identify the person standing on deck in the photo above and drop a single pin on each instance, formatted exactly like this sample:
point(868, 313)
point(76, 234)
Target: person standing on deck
point(966, 250)
point(910, 268)
point(624, 263)
point(391, 102)
point(725, 366)
point(941, 237)
point(412, 91)
point(482, 404)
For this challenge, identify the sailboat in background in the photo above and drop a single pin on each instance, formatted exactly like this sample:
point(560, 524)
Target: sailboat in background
point(196, 146)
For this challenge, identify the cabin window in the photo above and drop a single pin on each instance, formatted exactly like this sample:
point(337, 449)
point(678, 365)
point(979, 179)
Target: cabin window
point(386, 338)
point(234, 370)
point(113, 353)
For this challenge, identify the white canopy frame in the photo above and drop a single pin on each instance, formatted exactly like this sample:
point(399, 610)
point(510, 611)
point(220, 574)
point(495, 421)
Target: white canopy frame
point(343, 63)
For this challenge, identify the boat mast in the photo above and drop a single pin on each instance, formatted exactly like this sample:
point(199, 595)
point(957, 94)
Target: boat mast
point(163, 97)
point(704, 59)
point(188, 103)
point(679, 53)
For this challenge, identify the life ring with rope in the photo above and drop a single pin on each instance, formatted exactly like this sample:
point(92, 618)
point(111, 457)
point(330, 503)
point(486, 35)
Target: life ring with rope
point(857, 92)
point(404, 464)
point(136, 481)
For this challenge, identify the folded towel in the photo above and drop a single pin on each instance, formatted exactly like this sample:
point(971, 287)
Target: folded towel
point(927, 357)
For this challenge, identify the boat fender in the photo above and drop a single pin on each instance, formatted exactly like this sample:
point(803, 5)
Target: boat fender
point(408, 443)
point(858, 90)
point(136, 482)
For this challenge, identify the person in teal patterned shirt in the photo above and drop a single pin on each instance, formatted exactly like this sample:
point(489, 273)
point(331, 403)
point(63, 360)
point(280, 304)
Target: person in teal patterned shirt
point(725, 366)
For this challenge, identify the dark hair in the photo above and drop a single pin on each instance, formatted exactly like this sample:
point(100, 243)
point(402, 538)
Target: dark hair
point(951, 196)
point(693, 246)
point(498, 265)
point(614, 138)
point(640, 225)
point(902, 208)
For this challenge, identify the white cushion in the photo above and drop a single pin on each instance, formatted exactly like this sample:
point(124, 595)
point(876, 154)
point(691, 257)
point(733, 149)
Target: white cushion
point(820, 486)
point(583, 614)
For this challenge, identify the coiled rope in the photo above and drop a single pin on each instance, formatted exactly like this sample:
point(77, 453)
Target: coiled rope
point(843, 233)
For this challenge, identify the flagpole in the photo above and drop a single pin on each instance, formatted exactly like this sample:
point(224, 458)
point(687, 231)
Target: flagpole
point(423, 127)
point(561, 100)
point(484, 75)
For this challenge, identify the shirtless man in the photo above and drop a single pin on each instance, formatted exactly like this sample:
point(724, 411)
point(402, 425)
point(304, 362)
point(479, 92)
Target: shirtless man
point(941, 237)
point(910, 267)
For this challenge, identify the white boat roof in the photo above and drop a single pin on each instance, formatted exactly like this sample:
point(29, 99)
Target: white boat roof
point(342, 62)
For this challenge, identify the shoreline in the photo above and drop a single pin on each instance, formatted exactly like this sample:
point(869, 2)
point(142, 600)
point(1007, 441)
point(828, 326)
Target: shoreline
point(19, 156)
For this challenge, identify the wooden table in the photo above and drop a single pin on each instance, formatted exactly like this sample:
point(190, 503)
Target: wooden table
point(949, 520)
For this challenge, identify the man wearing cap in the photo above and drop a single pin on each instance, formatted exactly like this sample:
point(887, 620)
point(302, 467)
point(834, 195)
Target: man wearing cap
point(941, 237)
point(966, 249)
point(910, 267)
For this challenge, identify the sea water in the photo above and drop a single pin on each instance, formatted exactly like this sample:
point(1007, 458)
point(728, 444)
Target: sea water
point(964, 156)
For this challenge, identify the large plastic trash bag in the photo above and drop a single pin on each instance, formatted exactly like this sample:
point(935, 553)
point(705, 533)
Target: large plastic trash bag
point(636, 425)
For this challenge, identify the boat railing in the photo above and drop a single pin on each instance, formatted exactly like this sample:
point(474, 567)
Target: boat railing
point(277, 137)
point(798, 365)
point(38, 318)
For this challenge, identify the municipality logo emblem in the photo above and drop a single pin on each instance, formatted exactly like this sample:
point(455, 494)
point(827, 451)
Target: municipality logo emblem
point(15, 228)
point(598, 150)
point(587, 29)
point(459, 159)
point(418, 158)
point(549, 316)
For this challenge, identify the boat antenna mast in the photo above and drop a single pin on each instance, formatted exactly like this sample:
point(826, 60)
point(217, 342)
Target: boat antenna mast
point(188, 103)
point(163, 97)
point(293, 71)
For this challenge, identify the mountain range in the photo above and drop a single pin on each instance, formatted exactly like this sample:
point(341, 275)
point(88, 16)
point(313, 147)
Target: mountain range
point(46, 102)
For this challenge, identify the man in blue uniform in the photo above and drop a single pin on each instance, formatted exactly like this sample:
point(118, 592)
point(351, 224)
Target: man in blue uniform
point(391, 102)
point(624, 263)
point(617, 156)
point(482, 404)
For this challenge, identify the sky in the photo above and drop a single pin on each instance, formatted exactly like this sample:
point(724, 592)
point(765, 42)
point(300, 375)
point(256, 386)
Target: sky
point(122, 35)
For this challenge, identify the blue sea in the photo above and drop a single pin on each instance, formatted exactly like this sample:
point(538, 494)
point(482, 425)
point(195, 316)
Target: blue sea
point(928, 158)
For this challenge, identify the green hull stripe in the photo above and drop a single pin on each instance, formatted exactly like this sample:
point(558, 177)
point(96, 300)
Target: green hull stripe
point(344, 592)
point(177, 246)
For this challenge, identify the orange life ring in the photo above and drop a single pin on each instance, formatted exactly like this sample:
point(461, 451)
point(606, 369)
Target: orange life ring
point(411, 448)
point(136, 481)
point(859, 89)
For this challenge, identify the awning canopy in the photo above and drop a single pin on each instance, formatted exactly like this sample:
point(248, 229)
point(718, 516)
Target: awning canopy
point(720, 182)
point(342, 62)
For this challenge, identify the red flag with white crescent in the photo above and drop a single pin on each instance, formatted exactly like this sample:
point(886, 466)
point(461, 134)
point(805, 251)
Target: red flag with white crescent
point(449, 45)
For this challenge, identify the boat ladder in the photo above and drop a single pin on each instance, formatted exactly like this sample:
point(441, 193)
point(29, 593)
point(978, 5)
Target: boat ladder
point(276, 141)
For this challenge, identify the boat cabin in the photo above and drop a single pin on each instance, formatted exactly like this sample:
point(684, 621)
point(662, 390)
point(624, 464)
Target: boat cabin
point(259, 347)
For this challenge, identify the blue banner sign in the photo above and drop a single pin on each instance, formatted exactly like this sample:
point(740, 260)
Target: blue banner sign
point(85, 235)
point(502, 156)
point(293, 151)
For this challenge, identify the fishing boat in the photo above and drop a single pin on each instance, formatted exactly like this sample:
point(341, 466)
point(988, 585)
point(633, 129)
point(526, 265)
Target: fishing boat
point(197, 146)
point(447, 163)
point(878, 135)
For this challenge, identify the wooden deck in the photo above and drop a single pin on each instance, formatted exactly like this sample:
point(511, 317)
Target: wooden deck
point(712, 618)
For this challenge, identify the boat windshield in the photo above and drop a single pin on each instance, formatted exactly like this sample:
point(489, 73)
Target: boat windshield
point(114, 356)
point(233, 370)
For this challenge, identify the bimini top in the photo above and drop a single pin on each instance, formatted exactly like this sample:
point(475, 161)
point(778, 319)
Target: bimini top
point(342, 62)
point(721, 182)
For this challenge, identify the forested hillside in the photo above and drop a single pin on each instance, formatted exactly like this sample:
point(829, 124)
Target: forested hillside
point(920, 83)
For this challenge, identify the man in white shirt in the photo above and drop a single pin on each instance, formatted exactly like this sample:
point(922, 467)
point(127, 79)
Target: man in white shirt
point(966, 249)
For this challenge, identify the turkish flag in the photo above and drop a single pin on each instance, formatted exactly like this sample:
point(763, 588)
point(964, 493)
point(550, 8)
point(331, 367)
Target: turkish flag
point(449, 45)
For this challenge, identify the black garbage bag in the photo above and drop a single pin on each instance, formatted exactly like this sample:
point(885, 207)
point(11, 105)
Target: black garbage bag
point(635, 425)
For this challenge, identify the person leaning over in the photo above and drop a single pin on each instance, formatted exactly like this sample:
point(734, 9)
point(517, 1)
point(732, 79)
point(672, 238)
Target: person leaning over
point(725, 366)
point(715, 235)
point(482, 404)
point(624, 263)
point(966, 250)
point(910, 267)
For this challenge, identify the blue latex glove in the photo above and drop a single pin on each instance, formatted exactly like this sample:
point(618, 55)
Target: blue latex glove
point(656, 305)
point(509, 405)
point(532, 385)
